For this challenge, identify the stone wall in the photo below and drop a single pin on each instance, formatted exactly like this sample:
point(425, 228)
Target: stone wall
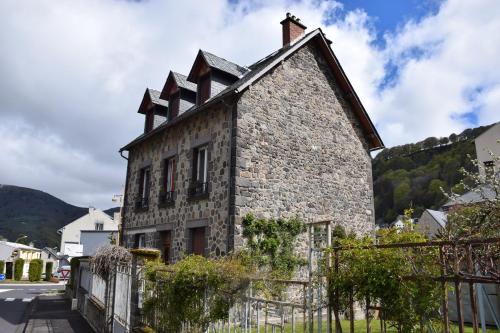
point(211, 127)
point(300, 149)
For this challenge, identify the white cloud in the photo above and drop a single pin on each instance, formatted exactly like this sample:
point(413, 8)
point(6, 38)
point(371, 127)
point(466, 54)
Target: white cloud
point(72, 74)
point(460, 46)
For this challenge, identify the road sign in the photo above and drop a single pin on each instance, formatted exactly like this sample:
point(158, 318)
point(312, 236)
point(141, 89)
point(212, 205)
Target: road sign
point(2, 277)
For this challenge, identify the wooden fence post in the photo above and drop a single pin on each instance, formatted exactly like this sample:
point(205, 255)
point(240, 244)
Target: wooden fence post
point(444, 289)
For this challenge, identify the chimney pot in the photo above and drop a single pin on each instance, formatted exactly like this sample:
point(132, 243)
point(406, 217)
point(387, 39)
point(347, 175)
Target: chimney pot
point(293, 29)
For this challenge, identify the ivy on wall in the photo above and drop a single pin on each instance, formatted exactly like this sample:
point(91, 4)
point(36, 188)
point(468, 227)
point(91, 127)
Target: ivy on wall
point(270, 245)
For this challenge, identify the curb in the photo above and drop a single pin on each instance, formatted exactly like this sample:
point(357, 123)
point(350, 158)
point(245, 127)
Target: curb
point(25, 326)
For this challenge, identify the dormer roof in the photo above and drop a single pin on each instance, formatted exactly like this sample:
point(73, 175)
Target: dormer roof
point(205, 58)
point(262, 67)
point(176, 80)
point(151, 98)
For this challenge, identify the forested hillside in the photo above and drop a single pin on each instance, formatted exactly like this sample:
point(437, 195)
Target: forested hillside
point(412, 174)
point(36, 214)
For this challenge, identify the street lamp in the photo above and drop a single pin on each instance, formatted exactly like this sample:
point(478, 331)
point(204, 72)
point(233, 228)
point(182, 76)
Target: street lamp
point(20, 237)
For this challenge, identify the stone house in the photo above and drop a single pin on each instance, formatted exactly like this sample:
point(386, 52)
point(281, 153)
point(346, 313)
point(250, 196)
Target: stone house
point(286, 136)
point(487, 144)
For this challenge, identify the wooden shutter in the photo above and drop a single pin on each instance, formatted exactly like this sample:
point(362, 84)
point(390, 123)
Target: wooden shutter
point(198, 241)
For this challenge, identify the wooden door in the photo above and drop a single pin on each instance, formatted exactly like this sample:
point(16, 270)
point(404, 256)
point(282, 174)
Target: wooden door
point(166, 244)
point(198, 241)
point(8, 270)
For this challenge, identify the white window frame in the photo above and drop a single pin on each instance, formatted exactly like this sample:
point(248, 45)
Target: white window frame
point(201, 149)
point(99, 226)
point(170, 165)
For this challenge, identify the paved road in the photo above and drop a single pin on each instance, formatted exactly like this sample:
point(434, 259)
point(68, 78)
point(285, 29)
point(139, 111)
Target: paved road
point(14, 300)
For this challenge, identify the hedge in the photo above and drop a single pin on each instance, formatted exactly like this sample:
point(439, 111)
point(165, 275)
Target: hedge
point(35, 270)
point(2, 266)
point(48, 270)
point(18, 269)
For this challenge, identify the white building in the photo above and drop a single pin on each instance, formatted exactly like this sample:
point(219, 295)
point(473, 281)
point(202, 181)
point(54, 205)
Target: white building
point(486, 144)
point(96, 220)
point(10, 252)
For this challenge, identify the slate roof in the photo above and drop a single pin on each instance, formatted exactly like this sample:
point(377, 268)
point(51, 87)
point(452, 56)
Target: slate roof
point(224, 65)
point(182, 82)
point(155, 98)
point(440, 217)
point(257, 70)
point(478, 195)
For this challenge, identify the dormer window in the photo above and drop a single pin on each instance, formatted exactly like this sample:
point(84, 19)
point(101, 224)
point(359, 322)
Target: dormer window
point(173, 104)
point(204, 88)
point(154, 109)
point(148, 124)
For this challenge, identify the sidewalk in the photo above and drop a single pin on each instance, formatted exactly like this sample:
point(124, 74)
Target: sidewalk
point(53, 314)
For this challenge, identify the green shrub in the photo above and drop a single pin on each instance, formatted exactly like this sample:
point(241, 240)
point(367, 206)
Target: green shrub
point(2, 266)
point(48, 270)
point(74, 263)
point(193, 291)
point(35, 270)
point(18, 269)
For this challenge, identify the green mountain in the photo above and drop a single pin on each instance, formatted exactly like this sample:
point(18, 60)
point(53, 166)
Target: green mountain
point(413, 174)
point(36, 214)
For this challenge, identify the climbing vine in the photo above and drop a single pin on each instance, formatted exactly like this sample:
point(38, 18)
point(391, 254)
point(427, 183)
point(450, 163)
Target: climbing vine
point(194, 292)
point(400, 280)
point(270, 245)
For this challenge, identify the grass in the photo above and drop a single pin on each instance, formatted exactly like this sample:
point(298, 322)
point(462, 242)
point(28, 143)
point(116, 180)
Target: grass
point(360, 327)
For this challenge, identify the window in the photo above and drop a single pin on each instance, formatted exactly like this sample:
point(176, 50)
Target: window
point(197, 241)
point(174, 104)
point(168, 186)
point(140, 241)
point(199, 184)
point(99, 226)
point(144, 184)
point(148, 126)
point(489, 169)
point(204, 87)
point(166, 240)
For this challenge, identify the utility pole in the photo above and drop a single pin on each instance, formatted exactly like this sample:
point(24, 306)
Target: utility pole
point(119, 198)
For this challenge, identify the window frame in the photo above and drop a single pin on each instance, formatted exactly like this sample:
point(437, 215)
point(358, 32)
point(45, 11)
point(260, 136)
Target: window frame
point(204, 87)
point(167, 188)
point(99, 226)
point(137, 241)
point(174, 104)
point(200, 174)
point(144, 188)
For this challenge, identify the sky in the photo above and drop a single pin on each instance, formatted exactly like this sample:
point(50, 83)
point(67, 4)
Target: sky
point(73, 72)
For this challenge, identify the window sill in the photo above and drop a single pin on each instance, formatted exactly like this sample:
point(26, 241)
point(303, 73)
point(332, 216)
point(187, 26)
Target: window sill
point(197, 197)
point(167, 204)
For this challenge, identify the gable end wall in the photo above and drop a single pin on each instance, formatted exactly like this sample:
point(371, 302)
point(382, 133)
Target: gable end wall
point(300, 149)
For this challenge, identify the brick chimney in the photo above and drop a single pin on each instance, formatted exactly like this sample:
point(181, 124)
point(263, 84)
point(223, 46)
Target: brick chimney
point(292, 29)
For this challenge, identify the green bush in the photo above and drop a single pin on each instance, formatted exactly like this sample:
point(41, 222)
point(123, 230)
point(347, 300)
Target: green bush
point(2, 266)
point(74, 263)
point(35, 270)
point(48, 270)
point(18, 269)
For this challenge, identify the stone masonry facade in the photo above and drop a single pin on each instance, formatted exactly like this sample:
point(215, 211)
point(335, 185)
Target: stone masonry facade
point(300, 150)
point(289, 144)
point(212, 128)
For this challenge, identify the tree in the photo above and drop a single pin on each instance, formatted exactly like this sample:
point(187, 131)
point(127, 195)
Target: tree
point(478, 219)
point(430, 142)
point(18, 269)
point(453, 138)
point(444, 141)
